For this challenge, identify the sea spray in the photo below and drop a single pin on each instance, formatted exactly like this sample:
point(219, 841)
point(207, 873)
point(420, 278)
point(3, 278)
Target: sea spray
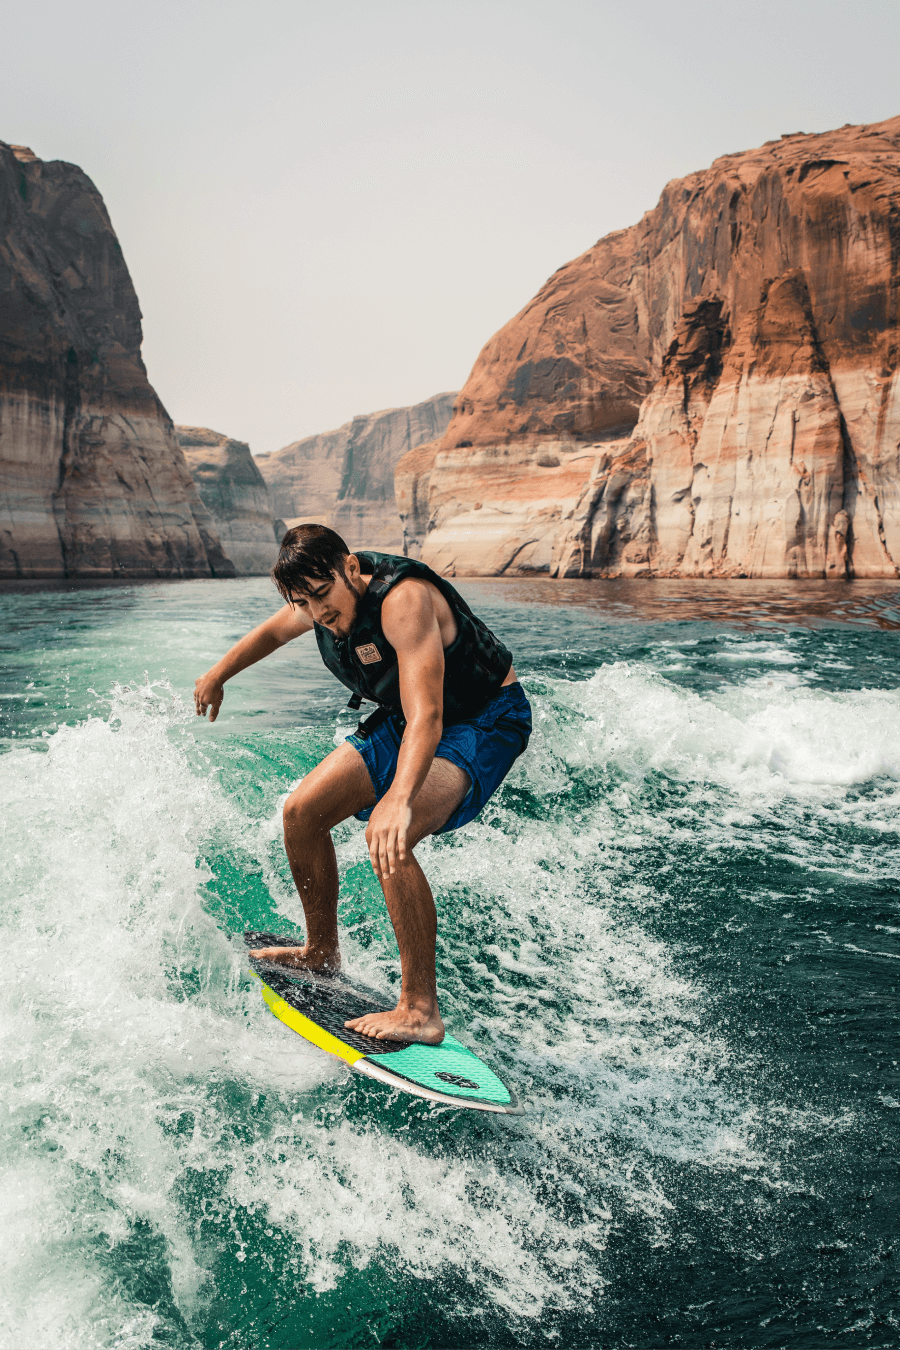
point(138, 1053)
point(694, 820)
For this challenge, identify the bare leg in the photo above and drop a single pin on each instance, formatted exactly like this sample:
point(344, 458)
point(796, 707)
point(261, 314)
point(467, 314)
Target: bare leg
point(411, 907)
point(335, 789)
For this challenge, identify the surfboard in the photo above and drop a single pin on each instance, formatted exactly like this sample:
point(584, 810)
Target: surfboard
point(317, 1006)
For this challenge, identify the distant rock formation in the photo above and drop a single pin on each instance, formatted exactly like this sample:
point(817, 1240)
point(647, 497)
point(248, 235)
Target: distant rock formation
point(484, 510)
point(345, 478)
point(92, 480)
point(234, 492)
point(712, 392)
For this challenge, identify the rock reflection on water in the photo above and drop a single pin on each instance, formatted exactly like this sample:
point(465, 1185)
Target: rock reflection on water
point(809, 603)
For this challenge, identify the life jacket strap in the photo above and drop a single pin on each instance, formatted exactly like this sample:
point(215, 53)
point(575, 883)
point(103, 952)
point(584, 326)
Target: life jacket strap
point(375, 719)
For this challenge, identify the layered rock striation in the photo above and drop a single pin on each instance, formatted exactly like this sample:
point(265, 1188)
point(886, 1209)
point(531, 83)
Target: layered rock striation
point(234, 492)
point(718, 386)
point(345, 478)
point(92, 480)
point(489, 509)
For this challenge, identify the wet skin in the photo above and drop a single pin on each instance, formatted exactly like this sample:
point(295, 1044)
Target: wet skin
point(337, 788)
point(419, 624)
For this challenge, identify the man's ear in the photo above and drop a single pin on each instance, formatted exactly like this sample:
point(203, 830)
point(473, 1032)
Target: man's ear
point(352, 569)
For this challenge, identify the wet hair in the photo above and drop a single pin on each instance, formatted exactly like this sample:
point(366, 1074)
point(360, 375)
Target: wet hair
point(309, 554)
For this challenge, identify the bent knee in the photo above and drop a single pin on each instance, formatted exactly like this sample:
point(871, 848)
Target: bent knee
point(301, 812)
point(417, 833)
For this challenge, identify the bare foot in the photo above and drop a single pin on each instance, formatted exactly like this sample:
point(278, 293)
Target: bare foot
point(300, 958)
point(403, 1024)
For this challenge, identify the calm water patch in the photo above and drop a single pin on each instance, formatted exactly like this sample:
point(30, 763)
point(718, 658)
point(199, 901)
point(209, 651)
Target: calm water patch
point(676, 931)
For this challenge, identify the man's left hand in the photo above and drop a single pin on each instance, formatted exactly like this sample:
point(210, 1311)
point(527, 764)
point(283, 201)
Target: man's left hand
point(386, 835)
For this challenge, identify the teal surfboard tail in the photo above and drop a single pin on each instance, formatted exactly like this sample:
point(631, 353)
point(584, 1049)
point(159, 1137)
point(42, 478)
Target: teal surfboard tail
point(448, 1073)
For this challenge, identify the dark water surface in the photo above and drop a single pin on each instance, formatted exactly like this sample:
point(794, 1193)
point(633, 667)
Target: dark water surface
point(674, 931)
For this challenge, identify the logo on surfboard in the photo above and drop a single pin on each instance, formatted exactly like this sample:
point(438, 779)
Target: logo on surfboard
point(456, 1080)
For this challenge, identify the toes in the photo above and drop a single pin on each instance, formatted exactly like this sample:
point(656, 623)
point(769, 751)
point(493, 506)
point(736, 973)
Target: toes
point(363, 1027)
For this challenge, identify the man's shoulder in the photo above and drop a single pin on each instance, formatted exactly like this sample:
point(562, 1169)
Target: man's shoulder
point(408, 591)
point(408, 609)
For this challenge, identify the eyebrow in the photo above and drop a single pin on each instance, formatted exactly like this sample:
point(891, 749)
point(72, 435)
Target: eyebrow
point(322, 587)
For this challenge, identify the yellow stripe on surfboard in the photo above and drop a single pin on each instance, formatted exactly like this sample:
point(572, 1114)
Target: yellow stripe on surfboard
point(304, 1027)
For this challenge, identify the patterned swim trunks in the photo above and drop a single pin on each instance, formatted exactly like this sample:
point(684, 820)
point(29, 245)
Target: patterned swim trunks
point(485, 748)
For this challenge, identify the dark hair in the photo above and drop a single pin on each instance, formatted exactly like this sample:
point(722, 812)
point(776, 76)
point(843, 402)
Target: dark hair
point(309, 553)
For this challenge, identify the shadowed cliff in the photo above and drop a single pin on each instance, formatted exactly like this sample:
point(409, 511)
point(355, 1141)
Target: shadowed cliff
point(234, 492)
point(92, 480)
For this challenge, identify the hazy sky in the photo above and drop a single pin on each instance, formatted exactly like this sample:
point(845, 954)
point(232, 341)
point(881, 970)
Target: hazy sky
point(329, 207)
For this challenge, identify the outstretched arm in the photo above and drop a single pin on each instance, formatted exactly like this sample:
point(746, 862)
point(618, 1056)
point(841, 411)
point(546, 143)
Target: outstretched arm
point(411, 627)
point(285, 624)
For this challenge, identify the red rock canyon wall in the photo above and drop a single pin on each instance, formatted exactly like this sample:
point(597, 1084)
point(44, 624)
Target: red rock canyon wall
point(712, 392)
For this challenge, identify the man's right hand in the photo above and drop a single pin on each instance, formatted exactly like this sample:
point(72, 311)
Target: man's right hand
point(208, 694)
point(289, 622)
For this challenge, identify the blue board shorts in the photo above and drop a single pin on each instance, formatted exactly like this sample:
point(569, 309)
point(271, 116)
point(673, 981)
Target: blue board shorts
point(485, 747)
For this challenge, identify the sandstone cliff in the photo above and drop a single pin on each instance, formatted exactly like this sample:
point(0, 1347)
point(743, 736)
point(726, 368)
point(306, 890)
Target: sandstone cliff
point(714, 391)
point(92, 480)
point(345, 478)
point(234, 492)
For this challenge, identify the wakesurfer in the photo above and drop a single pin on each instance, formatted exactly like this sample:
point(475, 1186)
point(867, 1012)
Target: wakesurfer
point(451, 720)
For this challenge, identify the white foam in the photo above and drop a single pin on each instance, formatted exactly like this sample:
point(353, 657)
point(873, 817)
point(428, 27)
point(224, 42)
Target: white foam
point(749, 738)
point(102, 1044)
point(124, 1007)
point(764, 653)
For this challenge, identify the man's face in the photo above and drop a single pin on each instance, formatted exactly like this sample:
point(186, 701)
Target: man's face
point(332, 603)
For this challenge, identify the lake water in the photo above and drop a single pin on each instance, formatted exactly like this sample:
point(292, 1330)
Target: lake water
point(675, 931)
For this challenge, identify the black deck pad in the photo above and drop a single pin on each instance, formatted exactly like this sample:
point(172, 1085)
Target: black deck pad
point(329, 1005)
point(254, 939)
point(316, 977)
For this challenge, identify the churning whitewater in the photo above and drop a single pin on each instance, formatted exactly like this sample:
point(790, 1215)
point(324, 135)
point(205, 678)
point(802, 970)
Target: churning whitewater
point(673, 932)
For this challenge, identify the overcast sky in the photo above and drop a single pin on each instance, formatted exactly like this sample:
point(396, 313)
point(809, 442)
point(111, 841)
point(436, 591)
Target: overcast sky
point(329, 207)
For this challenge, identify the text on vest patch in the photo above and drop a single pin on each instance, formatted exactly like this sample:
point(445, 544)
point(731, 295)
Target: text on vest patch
point(368, 653)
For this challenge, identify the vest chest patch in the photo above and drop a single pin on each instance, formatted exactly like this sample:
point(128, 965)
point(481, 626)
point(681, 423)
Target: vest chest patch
point(368, 653)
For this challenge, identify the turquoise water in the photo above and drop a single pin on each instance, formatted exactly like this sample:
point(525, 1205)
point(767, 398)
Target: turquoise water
point(674, 932)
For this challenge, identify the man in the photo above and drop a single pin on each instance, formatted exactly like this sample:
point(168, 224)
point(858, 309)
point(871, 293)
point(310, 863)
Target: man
point(452, 719)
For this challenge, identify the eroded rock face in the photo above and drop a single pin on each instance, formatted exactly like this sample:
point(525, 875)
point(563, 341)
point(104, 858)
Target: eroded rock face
point(93, 481)
point(234, 492)
point(489, 509)
point(724, 374)
point(345, 478)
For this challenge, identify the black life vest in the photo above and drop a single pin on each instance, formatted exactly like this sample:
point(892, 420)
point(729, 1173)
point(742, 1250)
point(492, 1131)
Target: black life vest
point(475, 663)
